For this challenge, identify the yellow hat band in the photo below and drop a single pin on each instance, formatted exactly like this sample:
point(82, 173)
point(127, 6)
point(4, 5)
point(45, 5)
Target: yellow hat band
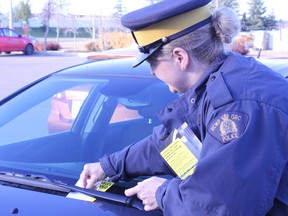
point(171, 26)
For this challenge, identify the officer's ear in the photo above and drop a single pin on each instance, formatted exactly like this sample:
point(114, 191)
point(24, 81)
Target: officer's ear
point(181, 57)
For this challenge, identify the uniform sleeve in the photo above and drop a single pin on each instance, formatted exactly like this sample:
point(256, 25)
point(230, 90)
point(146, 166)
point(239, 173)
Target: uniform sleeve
point(240, 167)
point(142, 158)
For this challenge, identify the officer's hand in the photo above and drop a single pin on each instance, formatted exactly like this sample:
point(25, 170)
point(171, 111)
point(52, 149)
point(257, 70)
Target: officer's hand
point(146, 191)
point(91, 174)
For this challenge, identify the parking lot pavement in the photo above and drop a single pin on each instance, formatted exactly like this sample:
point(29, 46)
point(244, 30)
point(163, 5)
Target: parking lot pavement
point(17, 70)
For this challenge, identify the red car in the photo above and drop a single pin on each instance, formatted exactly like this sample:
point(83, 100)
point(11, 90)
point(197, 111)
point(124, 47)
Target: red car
point(11, 40)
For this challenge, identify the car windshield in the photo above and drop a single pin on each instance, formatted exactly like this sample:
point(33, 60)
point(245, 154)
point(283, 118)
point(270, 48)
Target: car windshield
point(57, 125)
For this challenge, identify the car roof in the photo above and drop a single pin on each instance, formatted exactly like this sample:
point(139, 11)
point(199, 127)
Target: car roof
point(278, 65)
point(123, 67)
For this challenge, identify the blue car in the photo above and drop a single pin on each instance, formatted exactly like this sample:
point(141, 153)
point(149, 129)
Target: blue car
point(50, 128)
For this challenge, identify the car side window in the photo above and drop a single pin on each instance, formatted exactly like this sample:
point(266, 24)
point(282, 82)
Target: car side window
point(10, 33)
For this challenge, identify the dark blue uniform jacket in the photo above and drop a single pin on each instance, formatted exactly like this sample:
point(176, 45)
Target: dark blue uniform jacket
point(239, 111)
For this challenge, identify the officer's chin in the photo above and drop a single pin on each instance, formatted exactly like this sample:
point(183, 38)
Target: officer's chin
point(173, 90)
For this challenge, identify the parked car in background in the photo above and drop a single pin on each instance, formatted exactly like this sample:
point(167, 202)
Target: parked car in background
point(11, 41)
point(50, 128)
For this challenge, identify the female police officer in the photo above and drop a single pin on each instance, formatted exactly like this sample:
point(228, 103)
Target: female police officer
point(236, 106)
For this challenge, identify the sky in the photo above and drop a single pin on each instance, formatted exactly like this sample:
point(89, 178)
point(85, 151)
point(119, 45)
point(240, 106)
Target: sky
point(89, 7)
point(96, 7)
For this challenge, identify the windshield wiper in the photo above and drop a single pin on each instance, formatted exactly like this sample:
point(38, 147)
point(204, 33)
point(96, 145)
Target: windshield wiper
point(41, 181)
point(127, 201)
point(33, 181)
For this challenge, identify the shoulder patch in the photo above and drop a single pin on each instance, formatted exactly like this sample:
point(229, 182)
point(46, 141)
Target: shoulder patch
point(228, 126)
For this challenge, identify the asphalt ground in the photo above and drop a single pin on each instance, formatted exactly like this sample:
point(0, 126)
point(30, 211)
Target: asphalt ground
point(17, 70)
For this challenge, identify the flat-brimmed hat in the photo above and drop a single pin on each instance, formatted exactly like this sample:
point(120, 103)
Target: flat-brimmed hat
point(158, 24)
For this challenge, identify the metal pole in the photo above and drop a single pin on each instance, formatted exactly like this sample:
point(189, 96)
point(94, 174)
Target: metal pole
point(11, 15)
point(216, 4)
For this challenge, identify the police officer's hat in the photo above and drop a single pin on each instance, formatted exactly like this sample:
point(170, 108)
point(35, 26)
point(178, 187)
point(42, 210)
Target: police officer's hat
point(160, 23)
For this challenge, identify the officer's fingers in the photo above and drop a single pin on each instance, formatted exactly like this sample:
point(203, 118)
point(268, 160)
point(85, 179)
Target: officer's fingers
point(82, 183)
point(150, 207)
point(150, 203)
point(84, 176)
point(132, 191)
point(91, 173)
point(91, 182)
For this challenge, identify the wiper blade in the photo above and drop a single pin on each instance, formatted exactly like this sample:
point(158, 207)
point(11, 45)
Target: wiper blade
point(41, 181)
point(127, 201)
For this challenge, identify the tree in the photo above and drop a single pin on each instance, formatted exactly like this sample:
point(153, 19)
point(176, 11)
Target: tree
point(91, 30)
point(119, 11)
point(256, 14)
point(74, 27)
point(233, 4)
point(258, 20)
point(270, 22)
point(244, 23)
point(46, 15)
point(22, 12)
point(58, 14)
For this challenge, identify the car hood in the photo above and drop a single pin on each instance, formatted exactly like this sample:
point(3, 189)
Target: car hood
point(29, 203)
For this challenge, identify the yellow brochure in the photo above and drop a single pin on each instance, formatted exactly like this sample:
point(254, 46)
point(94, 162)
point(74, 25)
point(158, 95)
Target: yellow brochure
point(181, 151)
point(103, 185)
point(180, 158)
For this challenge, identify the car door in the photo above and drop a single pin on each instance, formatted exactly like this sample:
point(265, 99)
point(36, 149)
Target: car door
point(12, 41)
point(3, 41)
